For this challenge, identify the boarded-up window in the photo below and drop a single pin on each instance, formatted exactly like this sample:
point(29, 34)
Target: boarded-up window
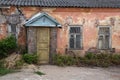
point(104, 38)
point(75, 39)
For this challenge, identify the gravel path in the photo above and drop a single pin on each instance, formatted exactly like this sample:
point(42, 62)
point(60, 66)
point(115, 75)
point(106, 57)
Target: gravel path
point(66, 73)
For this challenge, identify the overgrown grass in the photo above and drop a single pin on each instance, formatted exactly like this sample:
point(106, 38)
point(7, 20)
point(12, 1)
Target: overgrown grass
point(30, 58)
point(90, 59)
point(63, 60)
point(39, 73)
point(4, 71)
point(19, 64)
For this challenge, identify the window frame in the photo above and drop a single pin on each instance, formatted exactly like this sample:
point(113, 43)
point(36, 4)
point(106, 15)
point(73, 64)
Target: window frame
point(75, 34)
point(110, 36)
point(10, 32)
point(1, 31)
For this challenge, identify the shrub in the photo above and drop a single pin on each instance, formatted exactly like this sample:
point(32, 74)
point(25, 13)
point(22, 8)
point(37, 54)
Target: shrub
point(30, 58)
point(90, 56)
point(104, 63)
point(7, 46)
point(19, 64)
point(115, 59)
point(4, 70)
point(90, 59)
point(103, 56)
point(58, 60)
point(63, 60)
point(2, 63)
point(70, 60)
point(99, 60)
point(39, 73)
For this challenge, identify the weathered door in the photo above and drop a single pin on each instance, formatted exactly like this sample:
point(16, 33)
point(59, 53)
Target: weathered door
point(43, 44)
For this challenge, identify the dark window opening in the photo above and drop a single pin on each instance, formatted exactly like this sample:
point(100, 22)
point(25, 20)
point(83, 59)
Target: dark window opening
point(13, 30)
point(75, 40)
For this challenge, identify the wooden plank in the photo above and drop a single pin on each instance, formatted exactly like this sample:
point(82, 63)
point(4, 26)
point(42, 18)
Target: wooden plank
point(43, 44)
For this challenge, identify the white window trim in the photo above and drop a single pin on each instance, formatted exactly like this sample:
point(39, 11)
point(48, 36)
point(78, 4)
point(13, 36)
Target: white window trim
point(110, 39)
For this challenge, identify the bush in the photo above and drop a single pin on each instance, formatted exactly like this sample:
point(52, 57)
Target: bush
point(30, 58)
point(90, 59)
point(4, 71)
point(7, 46)
point(63, 60)
point(104, 63)
point(103, 56)
point(99, 60)
point(19, 64)
point(2, 63)
point(90, 56)
point(115, 59)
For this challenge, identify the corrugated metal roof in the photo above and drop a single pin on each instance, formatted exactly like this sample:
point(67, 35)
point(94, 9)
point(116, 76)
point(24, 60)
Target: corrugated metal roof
point(63, 3)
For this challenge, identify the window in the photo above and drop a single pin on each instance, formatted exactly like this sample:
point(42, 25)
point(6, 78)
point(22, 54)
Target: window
point(12, 30)
point(75, 38)
point(0, 29)
point(104, 38)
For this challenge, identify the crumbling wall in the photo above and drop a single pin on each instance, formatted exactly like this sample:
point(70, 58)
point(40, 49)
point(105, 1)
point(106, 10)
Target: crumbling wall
point(8, 17)
point(31, 40)
point(88, 18)
point(53, 42)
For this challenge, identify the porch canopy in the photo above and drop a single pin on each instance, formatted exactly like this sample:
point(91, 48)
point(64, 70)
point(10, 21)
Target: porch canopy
point(42, 20)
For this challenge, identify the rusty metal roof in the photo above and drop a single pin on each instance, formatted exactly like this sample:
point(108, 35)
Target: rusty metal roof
point(63, 3)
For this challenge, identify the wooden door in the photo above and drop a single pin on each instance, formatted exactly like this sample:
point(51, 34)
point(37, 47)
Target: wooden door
point(43, 44)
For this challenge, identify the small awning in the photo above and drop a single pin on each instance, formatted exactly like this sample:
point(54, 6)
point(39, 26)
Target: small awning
point(42, 20)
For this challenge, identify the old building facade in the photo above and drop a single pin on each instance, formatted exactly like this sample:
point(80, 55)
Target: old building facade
point(50, 29)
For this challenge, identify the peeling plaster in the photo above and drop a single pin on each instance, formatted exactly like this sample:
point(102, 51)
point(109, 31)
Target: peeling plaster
point(88, 18)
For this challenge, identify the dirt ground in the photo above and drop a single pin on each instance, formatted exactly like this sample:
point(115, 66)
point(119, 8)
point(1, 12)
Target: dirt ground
point(66, 73)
